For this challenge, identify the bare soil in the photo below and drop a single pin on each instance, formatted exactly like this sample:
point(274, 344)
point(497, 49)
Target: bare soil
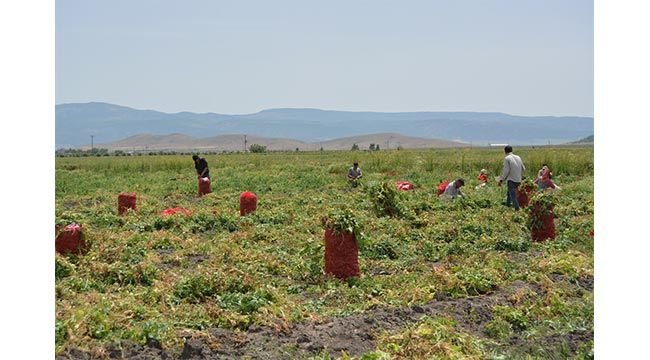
point(354, 334)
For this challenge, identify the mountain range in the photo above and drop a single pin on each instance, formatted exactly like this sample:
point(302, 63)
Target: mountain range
point(107, 123)
point(236, 142)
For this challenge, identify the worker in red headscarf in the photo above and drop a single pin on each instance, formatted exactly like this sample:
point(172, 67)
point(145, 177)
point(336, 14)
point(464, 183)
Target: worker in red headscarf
point(544, 178)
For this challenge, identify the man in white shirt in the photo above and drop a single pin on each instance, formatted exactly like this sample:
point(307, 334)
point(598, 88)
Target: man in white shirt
point(354, 172)
point(513, 169)
point(453, 188)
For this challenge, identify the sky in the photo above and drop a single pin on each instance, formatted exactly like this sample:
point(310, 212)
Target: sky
point(522, 57)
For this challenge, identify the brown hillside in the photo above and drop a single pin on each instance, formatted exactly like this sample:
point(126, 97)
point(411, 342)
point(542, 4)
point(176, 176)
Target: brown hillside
point(235, 142)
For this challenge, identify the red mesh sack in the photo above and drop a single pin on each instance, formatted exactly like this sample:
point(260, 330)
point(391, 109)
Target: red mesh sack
point(442, 187)
point(341, 255)
point(126, 201)
point(522, 198)
point(247, 203)
point(546, 230)
point(70, 240)
point(204, 186)
point(404, 185)
point(176, 210)
point(523, 195)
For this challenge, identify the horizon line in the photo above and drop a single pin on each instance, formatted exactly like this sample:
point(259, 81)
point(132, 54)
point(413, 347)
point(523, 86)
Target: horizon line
point(318, 109)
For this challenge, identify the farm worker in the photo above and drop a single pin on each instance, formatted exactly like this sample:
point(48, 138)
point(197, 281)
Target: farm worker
point(201, 166)
point(544, 179)
point(482, 179)
point(355, 172)
point(513, 169)
point(453, 188)
point(483, 176)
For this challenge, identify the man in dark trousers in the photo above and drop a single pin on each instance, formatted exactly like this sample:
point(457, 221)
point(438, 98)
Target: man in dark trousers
point(513, 171)
point(201, 166)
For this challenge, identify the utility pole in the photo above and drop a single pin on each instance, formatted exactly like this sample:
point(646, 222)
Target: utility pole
point(92, 145)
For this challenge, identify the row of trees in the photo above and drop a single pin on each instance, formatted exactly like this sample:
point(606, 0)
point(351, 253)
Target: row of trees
point(254, 148)
point(372, 147)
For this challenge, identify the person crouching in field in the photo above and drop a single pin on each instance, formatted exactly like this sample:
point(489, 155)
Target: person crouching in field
point(544, 179)
point(354, 174)
point(482, 179)
point(453, 189)
point(513, 169)
point(201, 166)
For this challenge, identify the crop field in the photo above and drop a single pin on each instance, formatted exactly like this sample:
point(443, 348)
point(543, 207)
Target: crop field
point(439, 279)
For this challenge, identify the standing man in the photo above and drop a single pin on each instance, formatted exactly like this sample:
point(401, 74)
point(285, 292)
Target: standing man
point(201, 166)
point(513, 169)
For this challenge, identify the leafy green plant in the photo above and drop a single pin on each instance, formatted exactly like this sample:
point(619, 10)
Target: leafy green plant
point(527, 185)
point(62, 268)
point(257, 148)
point(516, 317)
point(474, 281)
point(383, 249)
point(342, 219)
point(195, 289)
point(384, 199)
point(519, 244)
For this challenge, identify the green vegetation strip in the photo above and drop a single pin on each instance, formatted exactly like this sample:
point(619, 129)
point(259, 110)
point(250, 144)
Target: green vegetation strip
point(152, 277)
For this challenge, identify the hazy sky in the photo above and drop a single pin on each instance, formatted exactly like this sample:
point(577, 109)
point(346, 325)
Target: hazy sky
point(523, 57)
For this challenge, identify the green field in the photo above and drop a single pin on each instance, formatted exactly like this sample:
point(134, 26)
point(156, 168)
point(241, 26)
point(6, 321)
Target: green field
point(469, 265)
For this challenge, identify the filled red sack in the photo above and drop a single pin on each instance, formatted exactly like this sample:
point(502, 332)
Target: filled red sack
point(522, 198)
point(247, 203)
point(341, 255)
point(176, 210)
point(204, 186)
point(547, 228)
point(126, 201)
point(70, 240)
point(442, 187)
point(404, 185)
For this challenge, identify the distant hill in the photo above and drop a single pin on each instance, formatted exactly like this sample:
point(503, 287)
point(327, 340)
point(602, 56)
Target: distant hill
point(75, 123)
point(235, 142)
point(388, 141)
point(589, 140)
